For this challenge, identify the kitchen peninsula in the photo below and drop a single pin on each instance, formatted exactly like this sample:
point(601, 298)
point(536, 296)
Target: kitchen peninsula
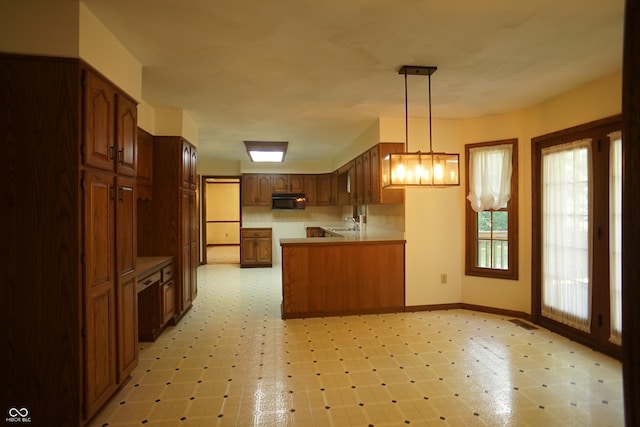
point(348, 273)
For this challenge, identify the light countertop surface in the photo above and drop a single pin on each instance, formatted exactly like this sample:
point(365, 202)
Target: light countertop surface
point(366, 235)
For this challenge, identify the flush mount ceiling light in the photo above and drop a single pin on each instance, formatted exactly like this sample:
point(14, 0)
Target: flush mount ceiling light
point(403, 170)
point(266, 151)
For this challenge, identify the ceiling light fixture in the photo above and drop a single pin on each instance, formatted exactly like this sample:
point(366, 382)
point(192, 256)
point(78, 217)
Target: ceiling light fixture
point(266, 151)
point(403, 170)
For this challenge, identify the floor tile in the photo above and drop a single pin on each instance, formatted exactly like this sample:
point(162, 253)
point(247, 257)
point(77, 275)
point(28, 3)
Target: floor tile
point(231, 361)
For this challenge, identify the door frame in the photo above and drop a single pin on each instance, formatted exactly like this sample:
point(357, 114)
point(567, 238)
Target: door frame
point(203, 210)
point(586, 130)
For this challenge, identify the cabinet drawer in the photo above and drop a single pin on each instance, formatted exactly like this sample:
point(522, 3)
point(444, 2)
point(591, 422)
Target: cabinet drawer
point(167, 273)
point(148, 280)
point(256, 233)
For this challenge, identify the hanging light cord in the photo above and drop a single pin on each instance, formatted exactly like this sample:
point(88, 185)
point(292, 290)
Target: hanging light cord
point(406, 114)
point(430, 139)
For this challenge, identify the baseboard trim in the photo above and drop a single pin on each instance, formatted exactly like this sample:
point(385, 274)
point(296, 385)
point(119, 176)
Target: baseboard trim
point(473, 307)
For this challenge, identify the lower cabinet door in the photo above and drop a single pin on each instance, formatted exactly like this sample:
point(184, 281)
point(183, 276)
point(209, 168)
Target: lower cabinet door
point(263, 246)
point(168, 301)
point(100, 357)
point(127, 329)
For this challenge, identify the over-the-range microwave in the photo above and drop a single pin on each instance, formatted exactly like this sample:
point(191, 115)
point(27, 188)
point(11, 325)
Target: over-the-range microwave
point(288, 201)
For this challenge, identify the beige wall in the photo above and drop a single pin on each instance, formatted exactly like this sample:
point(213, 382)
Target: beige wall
point(105, 53)
point(596, 100)
point(435, 217)
point(40, 27)
point(67, 28)
point(223, 204)
point(175, 122)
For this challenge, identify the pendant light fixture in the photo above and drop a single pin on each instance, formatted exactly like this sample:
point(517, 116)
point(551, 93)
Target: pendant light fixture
point(404, 170)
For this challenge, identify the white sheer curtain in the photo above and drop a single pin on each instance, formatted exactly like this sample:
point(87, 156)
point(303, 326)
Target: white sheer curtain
point(490, 171)
point(615, 236)
point(566, 229)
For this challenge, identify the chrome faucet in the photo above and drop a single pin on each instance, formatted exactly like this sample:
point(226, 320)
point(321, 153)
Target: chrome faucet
point(356, 225)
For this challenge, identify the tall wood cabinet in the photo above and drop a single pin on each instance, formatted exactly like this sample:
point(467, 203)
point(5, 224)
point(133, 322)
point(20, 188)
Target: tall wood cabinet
point(68, 164)
point(168, 223)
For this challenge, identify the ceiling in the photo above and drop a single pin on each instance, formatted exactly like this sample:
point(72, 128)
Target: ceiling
point(318, 73)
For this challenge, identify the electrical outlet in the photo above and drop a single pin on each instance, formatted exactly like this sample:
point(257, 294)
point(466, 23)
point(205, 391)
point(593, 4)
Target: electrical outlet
point(443, 278)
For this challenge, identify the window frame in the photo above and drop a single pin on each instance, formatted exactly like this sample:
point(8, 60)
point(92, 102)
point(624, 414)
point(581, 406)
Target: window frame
point(471, 220)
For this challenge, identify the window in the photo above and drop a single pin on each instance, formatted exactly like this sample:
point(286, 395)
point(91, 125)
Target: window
point(615, 235)
point(492, 209)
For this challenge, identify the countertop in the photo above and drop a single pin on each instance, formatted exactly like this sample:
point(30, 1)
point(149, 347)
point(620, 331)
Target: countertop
point(368, 235)
point(145, 265)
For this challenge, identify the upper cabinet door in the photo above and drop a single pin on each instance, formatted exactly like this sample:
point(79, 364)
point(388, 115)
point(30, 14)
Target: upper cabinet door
point(99, 122)
point(374, 175)
point(193, 168)
point(186, 164)
point(127, 132)
point(296, 183)
point(280, 183)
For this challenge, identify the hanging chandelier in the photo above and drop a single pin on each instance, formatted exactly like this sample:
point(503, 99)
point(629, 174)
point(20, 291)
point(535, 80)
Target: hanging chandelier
point(403, 170)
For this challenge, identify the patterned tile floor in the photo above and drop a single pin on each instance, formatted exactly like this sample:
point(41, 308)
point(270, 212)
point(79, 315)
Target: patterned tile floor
point(231, 361)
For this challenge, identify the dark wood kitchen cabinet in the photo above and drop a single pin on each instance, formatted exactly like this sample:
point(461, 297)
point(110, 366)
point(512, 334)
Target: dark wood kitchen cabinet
point(69, 137)
point(287, 183)
point(336, 277)
point(365, 179)
point(255, 247)
point(156, 295)
point(126, 254)
point(107, 145)
point(256, 190)
point(168, 223)
point(310, 189)
point(315, 232)
point(145, 164)
point(374, 193)
point(327, 189)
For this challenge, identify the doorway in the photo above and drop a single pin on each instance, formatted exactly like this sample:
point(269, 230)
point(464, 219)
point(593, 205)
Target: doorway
point(222, 220)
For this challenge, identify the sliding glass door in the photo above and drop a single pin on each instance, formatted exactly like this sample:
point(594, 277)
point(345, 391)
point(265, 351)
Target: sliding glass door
point(577, 233)
point(566, 229)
